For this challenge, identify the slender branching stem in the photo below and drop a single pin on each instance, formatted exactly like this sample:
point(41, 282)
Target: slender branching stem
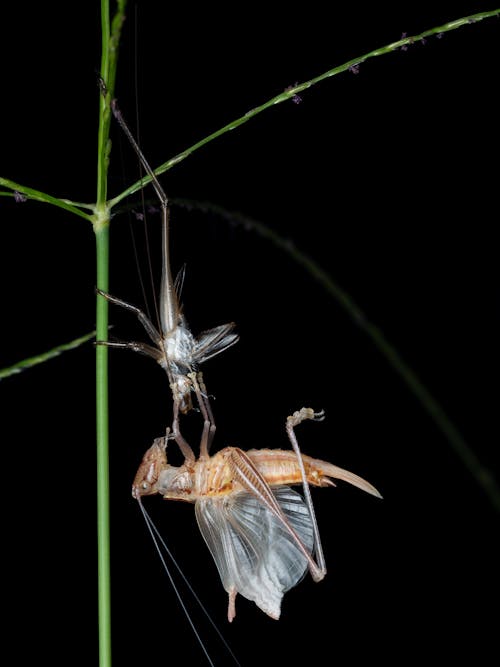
point(295, 90)
point(110, 40)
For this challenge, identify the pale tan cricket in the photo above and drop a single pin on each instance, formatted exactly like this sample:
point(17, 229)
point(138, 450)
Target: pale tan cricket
point(261, 533)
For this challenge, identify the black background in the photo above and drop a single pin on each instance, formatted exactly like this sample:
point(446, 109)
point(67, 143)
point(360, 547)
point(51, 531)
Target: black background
point(388, 179)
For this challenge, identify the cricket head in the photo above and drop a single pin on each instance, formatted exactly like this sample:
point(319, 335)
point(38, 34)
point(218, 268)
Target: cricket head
point(152, 464)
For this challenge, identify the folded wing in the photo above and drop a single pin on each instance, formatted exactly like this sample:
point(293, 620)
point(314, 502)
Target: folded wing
point(214, 341)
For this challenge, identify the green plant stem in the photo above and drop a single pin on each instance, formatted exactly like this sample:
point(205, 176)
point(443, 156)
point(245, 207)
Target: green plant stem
point(292, 91)
point(109, 56)
point(101, 229)
point(102, 429)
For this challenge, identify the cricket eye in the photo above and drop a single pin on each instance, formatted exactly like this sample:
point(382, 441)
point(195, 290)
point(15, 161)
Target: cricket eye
point(142, 488)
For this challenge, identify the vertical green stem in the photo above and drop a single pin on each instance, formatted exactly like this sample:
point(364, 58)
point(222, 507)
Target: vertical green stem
point(103, 527)
point(102, 431)
point(110, 39)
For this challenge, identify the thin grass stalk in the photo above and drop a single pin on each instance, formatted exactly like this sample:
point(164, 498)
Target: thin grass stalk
point(102, 431)
point(110, 41)
point(293, 91)
point(23, 365)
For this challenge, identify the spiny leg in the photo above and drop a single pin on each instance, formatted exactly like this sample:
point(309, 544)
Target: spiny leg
point(208, 418)
point(142, 348)
point(142, 317)
point(204, 393)
point(250, 478)
point(291, 422)
point(176, 433)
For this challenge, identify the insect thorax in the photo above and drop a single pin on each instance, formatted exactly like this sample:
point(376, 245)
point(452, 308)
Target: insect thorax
point(175, 483)
point(179, 345)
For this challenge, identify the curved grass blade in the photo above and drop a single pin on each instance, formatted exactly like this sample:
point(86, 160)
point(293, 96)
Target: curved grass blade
point(45, 356)
point(38, 195)
point(295, 90)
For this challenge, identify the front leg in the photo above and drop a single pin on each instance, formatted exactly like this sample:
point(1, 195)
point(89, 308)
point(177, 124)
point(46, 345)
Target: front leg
point(142, 317)
point(142, 348)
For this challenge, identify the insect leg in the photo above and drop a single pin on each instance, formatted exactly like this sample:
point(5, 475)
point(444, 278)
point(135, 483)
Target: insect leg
point(211, 432)
point(291, 422)
point(252, 481)
point(178, 437)
point(208, 418)
point(142, 317)
point(231, 607)
point(142, 348)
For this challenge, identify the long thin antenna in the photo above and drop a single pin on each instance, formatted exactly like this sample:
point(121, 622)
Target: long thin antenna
point(141, 174)
point(155, 535)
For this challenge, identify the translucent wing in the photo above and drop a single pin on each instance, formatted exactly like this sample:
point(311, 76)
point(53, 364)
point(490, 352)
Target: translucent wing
point(255, 555)
point(213, 341)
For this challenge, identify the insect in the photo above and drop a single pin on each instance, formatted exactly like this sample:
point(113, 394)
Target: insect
point(261, 533)
point(175, 348)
